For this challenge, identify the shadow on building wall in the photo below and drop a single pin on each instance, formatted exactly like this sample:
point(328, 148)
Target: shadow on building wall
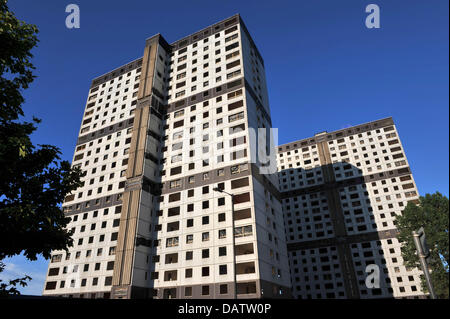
point(334, 244)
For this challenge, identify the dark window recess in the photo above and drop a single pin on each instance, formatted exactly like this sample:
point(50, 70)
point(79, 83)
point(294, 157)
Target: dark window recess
point(180, 103)
point(174, 197)
point(181, 67)
point(233, 64)
point(173, 226)
point(53, 271)
point(230, 29)
point(178, 124)
point(231, 46)
point(181, 84)
point(108, 281)
point(242, 214)
point(173, 211)
point(175, 171)
point(237, 183)
point(110, 265)
point(50, 285)
point(234, 83)
point(69, 198)
point(393, 142)
point(86, 121)
point(242, 198)
point(235, 105)
point(223, 289)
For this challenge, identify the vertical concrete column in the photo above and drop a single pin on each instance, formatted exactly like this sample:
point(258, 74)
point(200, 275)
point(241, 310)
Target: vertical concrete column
point(123, 266)
point(337, 218)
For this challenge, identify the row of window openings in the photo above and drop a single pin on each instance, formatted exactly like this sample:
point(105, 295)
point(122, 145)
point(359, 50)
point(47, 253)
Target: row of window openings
point(99, 190)
point(127, 82)
point(100, 140)
point(240, 154)
point(235, 169)
point(52, 284)
point(58, 257)
point(101, 238)
point(358, 164)
point(205, 74)
point(98, 150)
point(207, 83)
point(232, 118)
point(241, 269)
point(233, 143)
point(117, 210)
point(307, 149)
point(89, 203)
point(138, 70)
point(238, 199)
point(87, 120)
point(114, 110)
point(205, 48)
point(97, 266)
point(242, 231)
point(231, 95)
point(244, 249)
point(85, 129)
point(115, 223)
point(110, 89)
point(206, 56)
point(103, 122)
point(137, 77)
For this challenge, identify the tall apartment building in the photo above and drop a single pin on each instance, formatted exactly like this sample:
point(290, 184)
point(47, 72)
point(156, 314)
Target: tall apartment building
point(341, 192)
point(158, 135)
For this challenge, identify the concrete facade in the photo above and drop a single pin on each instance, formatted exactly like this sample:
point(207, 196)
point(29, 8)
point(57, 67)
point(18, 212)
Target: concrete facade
point(158, 135)
point(161, 133)
point(341, 193)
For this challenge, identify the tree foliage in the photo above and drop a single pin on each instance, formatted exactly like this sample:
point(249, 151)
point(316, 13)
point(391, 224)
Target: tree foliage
point(9, 288)
point(33, 179)
point(432, 214)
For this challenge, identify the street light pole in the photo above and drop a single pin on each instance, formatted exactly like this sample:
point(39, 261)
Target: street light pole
point(423, 262)
point(232, 236)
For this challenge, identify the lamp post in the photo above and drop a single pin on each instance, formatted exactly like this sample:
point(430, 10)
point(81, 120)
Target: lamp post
point(232, 236)
point(423, 253)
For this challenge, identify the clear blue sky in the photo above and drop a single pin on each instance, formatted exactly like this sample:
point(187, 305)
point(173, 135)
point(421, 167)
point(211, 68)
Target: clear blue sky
point(325, 69)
